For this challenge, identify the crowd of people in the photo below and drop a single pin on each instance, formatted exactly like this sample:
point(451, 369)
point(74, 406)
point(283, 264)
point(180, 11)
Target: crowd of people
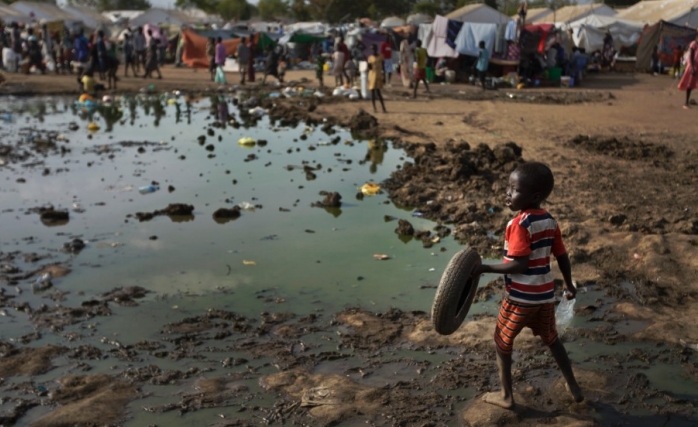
point(66, 50)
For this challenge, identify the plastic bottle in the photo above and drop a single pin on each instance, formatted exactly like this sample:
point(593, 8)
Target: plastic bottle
point(42, 283)
point(363, 69)
point(148, 189)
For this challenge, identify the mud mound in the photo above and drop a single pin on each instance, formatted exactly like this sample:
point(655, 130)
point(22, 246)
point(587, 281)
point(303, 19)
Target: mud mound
point(363, 124)
point(622, 148)
point(457, 184)
point(89, 401)
point(28, 361)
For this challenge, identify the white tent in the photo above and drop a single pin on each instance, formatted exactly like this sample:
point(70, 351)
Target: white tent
point(568, 14)
point(478, 13)
point(392, 22)
point(89, 17)
point(679, 12)
point(589, 32)
point(419, 18)
point(122, 15)
point(43, 12)
point(306, 27)
point(9, 15)
point(157, 16)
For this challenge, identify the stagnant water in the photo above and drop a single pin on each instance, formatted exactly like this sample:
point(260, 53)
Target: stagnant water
point(309, 259)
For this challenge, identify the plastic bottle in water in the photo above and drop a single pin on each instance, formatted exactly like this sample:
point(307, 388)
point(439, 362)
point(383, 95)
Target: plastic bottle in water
point(148, 189)
point(42, 283)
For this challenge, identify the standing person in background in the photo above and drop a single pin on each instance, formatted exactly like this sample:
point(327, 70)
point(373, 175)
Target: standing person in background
point(483, 62)
point(221, 53)
point(406, 61)
point(250, 64)
point(338, 66)
point(420, 71)
point(139, 45)
point(345, 52)
point(243, 58)
point(82, 54)
point(320, 68)
point(211, 54)
point(151, 63)
point(387, 54)
point(101, 53)
point(67, 46)
point(676, 66)
point(162, 46)
point(689, 80)
point(271, 67)
point(180, 48)
point(375, 77)
point(129, 59)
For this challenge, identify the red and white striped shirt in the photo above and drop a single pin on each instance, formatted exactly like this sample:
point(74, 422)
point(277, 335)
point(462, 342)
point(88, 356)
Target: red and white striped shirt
point(533, 233)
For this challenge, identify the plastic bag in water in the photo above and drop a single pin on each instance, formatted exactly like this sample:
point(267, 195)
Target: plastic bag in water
point(565, 312)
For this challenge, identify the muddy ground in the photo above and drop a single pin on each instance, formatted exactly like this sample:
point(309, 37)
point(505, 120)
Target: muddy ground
point(623, 154)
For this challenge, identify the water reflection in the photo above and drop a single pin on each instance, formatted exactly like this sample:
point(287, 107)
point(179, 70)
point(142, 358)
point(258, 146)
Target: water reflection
point(376, 153)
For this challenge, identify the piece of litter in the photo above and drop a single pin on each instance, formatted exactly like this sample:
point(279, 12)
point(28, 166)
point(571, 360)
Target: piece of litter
point(245, 262)
point(381, 257)
point(432, 269)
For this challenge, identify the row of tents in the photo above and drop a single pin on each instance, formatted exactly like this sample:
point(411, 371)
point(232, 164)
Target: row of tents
point(33, 11)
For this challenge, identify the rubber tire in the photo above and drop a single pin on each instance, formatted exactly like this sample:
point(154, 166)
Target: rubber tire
point(456, 292)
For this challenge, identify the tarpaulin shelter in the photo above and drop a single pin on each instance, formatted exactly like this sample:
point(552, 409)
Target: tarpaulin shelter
point(679, 12)
point(536, 14)
point(534, 36)
point(667, 37)
point(573, 13)
point(478, 13)
point(268, 40)
point(9, 15)
point(299, 37)
point(419, 18)
point(392, 21)
point(194, 51)
point(589, 33)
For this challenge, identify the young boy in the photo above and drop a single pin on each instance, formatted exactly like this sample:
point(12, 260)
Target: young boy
point(483, 63)
point(320, 67)
point(420, 71)
point(529, 240)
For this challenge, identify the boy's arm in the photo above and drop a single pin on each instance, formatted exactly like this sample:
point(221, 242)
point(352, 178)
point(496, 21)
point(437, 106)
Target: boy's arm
point(517, 265)
point(563, 261)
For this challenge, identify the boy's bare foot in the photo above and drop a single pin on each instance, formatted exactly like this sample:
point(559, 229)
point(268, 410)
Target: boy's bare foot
point(686, 107)
point(496, 398)
point(576, 393)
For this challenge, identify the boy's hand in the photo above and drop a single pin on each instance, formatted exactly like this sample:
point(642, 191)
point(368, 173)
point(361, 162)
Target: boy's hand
point(571, 292)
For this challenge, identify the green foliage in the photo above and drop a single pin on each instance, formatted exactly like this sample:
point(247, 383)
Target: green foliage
point(272, 9)
point(102, 5)
point(427, 7)
point(492, 4)
point(238, 10)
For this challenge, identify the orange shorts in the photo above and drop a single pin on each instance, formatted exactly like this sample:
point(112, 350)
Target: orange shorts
point(513, 317)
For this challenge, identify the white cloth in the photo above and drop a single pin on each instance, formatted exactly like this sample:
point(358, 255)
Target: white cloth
point(510, 33)
point(437, 46)
point(425, 33)
point(470, 36)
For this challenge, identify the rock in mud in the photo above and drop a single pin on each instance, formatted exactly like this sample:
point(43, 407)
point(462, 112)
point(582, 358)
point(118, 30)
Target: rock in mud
point(174, 209)
point(363, 123)
point(225, 213)
point(331, 200)
point(51, 215)
point(404, 228)
point(74, 246)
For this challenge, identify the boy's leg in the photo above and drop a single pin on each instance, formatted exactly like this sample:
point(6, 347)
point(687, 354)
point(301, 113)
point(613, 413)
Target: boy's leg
point(563, 361)
point(373, 99)
point(416, 85)
point(426, 85)
point(380, 98)
point(504, 398)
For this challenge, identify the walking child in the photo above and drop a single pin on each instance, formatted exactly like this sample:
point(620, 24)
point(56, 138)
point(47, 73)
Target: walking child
point(483, 63)
point(320, 67)
point(420, 71)
point(530, 238)
point(375, 77)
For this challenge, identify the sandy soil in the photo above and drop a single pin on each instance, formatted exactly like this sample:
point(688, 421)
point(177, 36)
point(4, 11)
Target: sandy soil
point(622, 152)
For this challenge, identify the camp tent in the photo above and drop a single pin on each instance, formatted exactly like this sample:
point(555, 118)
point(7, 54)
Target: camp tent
point(392, 21)
point(589, 32)
point(44, 12)
point(157, 16)
point(9, 15)
point(667, 37)
point(419, 18)
point(569, 14)
point(300, 37)
point(123, 16)
point(536, 14)
point(194, 52)
point(316, 28)
point(90, 17)
point(478, 13)
point(679, 12)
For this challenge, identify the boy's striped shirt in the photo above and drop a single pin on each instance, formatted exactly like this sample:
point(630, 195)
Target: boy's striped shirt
point(533, 233)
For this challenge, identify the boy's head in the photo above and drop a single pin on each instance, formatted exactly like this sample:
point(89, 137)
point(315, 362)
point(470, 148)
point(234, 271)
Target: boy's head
point(529, 185)
point(419, 43)
point(482, 44)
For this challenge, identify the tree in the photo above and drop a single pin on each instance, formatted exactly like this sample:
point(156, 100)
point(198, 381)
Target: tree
point(300, 11)
point(238, 10)
point(272, 9)
point(427, 7)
